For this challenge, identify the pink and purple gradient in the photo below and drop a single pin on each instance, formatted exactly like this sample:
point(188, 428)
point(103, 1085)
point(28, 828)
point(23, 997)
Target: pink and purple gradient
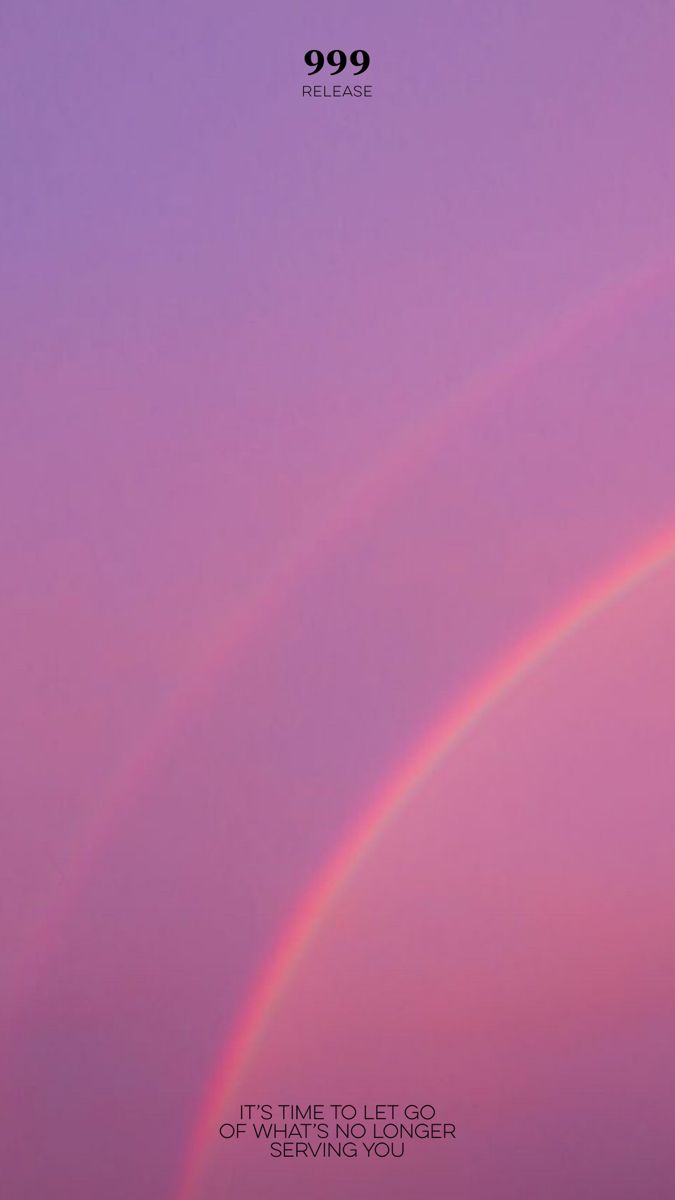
point(312, 410)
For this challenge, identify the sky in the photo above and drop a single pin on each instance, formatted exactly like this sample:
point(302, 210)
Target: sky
point(312, 409)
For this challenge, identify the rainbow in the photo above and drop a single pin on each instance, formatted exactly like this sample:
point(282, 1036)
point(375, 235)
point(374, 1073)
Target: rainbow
point(360, 497)
point(400, 789)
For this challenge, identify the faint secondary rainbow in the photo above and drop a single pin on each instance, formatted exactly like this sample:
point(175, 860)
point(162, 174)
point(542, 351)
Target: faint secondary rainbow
point(397, 792)
point(359, 498)
point(361, 495)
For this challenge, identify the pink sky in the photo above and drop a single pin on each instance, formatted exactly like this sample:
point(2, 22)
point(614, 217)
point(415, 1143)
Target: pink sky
point(236, 591)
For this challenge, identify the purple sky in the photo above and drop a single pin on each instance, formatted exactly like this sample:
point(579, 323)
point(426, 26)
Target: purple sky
point(292, 448)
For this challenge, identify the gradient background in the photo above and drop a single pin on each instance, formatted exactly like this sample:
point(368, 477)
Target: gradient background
point(310, 410)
